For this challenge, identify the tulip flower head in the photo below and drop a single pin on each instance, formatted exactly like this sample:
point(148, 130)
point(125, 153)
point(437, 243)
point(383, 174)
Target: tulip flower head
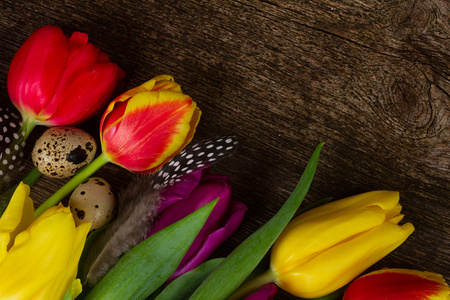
point(38, 258)
point(398, 284)
point(147, 126)
point(192, 192)
point(55, 80)
point(325, 248)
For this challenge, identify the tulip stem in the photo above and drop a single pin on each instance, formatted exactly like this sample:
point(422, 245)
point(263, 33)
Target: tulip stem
point(252, 285)
point(5, 197)
point(87, 171)
point(27, 127)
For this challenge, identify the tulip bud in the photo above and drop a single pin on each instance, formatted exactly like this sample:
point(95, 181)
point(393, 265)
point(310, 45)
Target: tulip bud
point(325, 248)
point(145, 127)
point(55, 80)
point(192, 192)
point(398, 284)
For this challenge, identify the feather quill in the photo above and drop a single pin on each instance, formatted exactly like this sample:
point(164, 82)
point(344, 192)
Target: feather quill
point(138, 205)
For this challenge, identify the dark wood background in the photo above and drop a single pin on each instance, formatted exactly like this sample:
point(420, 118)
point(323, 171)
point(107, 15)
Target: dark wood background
point(369, 78)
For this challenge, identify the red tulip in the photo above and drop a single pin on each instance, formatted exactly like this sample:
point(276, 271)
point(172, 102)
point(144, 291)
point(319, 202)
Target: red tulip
point(398, 284)
point(184, 197)
point(145, 127)
point(56, 80)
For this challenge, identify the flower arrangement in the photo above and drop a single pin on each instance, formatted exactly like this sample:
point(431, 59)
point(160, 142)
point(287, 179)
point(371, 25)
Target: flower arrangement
point(162, 229)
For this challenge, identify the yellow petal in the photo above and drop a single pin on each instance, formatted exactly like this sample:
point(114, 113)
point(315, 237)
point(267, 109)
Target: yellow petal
point(338, 265)
point(386, 200)
point(17, 217)
point(76, 288)
point(43, 257)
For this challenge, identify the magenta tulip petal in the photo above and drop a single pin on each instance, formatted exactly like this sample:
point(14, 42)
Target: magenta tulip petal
point(266, 292)
point(195, 256)
point(180, 190)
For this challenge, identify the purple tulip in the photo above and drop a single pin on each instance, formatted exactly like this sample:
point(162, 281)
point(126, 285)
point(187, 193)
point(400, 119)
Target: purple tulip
point(267, 292)
point(192, 192)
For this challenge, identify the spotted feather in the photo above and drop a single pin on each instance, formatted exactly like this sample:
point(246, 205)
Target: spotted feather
point(12, 142)
point(194, 157)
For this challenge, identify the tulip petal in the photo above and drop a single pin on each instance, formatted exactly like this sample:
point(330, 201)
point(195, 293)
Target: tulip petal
point(386, 200)
point(91, 87)
point(266, 292)
point(180, 190)
point(398, 284)
point(234, 217)
point(44, 256)
point(17, 217)
point(36, 69)
point(338, 265)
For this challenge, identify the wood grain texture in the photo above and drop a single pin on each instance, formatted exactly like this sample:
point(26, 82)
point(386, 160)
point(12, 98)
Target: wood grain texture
point(369, 78)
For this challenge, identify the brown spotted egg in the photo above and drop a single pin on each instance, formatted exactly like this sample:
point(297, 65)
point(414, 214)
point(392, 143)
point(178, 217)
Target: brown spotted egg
point(93, 201)
point(61, 151)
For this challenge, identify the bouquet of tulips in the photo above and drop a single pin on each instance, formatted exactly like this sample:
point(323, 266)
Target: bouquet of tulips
point(154, 240)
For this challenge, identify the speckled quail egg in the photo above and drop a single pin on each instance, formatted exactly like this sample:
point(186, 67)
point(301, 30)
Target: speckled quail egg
point(61, 151)
point(93, 201)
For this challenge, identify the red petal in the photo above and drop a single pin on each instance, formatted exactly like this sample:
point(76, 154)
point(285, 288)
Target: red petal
point(391, 285)
point(37, 68)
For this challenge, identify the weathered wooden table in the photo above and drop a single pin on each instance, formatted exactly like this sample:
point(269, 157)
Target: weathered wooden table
point(368, 78)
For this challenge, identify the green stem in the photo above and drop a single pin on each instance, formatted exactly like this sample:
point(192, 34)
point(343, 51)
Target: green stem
point(65, 190)
point(28, 127)
point(252, 285)
point(6, 196)
point(32, 177)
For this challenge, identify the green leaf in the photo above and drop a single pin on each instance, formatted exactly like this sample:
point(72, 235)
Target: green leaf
point(149, 264)
point(68, 294)
point(186, 284)
point(92, 237)
point(239, 264)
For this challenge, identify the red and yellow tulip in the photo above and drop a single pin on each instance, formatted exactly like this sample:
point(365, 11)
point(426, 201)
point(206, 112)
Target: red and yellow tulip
point(398, 284)
point(147, 126)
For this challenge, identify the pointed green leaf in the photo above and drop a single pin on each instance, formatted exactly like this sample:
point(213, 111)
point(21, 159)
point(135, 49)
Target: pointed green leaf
point(239, 264)
point(186, 284)
point(149, 264)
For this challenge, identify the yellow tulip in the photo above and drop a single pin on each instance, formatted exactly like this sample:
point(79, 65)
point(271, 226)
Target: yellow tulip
point(325, 248)
point(38, 258)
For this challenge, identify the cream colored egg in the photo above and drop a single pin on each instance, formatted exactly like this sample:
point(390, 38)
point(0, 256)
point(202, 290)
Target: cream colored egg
point(93, 201)
point(61, 151)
